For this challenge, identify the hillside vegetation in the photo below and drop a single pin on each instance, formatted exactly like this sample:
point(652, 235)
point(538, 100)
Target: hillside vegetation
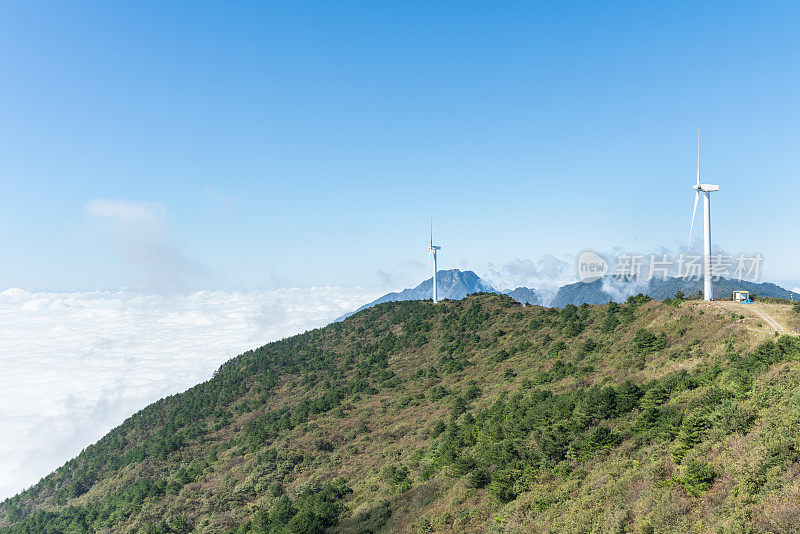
point(477, 415)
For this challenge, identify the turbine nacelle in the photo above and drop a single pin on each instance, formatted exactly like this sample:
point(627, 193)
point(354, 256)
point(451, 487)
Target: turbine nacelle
point(705, 188)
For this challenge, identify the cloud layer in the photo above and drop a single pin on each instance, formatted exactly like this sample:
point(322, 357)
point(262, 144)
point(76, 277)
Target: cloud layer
point(546, 272)
point(74, 365)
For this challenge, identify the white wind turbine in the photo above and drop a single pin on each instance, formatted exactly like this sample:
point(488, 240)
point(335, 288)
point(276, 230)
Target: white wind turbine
point(432, 252)
point(706, 189)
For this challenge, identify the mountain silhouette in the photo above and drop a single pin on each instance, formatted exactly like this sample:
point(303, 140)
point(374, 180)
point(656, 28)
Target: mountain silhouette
point(452, 284)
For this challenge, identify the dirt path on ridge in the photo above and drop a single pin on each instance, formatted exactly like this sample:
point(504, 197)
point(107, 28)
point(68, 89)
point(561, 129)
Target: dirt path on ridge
point(759, 310)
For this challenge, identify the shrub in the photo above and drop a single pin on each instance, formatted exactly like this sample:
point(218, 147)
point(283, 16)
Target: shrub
point(573, 327)
point(374, 519)
point(647, 342)
point(437, 393)
point(569, 312)
point(679, 381)
point(663, 422)
point(656, 395)
point(557, 372)
point(451, 364)
point(546, 340)
point(501, 356)
point(647, 420)
point(730, 417)
point(438, 428)
point(789, 346)
point(473, 391)
point(610, 323)
point(588, 346)
point(317, 508)
point(554, 442)
point(598, 404)
point(628, 395)
point(641, 298)
point(767, 352)
point(556, 349)
point(323, 445)
point(604, 437)
point(698, 477)
point(478, 478)
point(459, 406)
point(501, 488)
point(691, 433)
point(462, 465)
point(396, 477)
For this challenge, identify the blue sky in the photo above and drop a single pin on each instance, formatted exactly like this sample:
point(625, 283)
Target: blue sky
point(262, 145)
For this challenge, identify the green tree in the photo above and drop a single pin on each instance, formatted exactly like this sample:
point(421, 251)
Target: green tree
point(647, 342)
point(698, 477)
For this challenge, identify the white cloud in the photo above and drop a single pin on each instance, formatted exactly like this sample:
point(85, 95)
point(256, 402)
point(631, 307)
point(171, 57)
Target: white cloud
point(546, 273)
point(620, 289)
point(125, 212)
point(413, 264)
point(74, 365)
point(140, 233)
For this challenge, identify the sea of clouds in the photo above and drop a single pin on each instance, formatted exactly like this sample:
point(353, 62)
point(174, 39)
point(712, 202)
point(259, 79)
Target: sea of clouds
point(75, 365)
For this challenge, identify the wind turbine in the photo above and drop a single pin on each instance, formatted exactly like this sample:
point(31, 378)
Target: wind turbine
point(706, 189)
point(432, 251)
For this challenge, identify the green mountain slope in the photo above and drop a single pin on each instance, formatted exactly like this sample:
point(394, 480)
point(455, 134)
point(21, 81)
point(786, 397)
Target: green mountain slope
point(467, 416)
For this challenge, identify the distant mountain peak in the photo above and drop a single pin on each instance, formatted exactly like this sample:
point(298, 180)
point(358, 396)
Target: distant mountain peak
point(525, 295)
point(455, 280)
point(453, 284)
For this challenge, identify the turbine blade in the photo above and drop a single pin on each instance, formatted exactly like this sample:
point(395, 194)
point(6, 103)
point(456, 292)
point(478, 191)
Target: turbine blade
point(694, 211)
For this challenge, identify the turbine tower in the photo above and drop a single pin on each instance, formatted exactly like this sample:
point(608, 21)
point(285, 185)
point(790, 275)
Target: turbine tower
point(432, 251)
point(706, 189)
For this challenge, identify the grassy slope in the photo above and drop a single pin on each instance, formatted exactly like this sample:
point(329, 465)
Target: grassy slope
point(434, 419)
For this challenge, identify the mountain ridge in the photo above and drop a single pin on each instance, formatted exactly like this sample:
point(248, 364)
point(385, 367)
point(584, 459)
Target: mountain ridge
point(455, 284)
point(461, 416)
point(610, 289)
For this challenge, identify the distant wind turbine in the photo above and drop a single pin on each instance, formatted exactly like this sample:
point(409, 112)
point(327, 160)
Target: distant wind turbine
point(706, 189)
point(432, 252)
